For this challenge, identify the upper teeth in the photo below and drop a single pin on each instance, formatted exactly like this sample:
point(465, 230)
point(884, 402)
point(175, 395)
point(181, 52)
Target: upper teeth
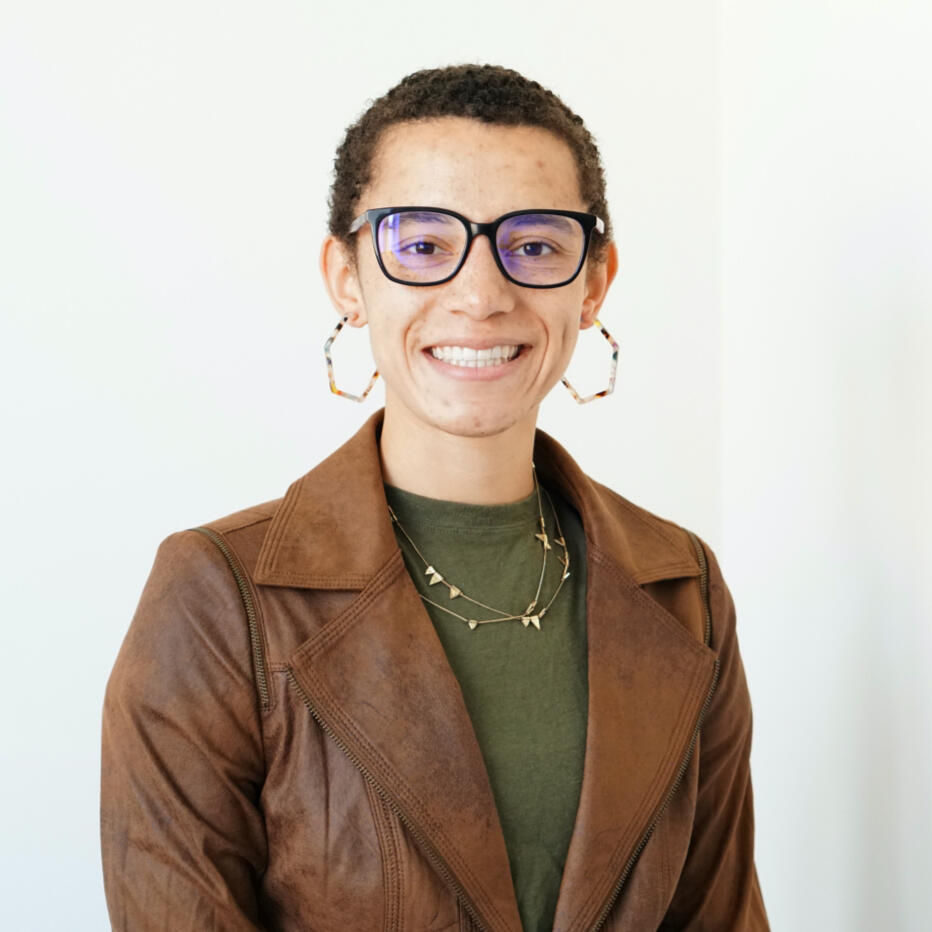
point(467, 356)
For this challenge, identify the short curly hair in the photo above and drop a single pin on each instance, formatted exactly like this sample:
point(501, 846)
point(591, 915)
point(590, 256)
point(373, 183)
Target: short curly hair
point(489, 93)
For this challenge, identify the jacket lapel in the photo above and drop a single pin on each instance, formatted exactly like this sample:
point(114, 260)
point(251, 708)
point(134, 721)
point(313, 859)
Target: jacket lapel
point(377, 676)
point(378, 679)
point(648, 681)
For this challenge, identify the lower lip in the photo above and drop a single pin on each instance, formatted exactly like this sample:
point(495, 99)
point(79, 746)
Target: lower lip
point(475, 373)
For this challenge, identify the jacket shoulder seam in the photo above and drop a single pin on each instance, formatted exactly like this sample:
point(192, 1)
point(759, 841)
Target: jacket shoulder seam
point(251, 609)
point(248, 520)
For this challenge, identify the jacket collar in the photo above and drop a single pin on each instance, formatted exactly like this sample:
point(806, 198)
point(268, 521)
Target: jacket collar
point(332, 530)
point(378, 680)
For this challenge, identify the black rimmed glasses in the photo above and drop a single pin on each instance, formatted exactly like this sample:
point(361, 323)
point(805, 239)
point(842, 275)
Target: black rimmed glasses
point(428, 245)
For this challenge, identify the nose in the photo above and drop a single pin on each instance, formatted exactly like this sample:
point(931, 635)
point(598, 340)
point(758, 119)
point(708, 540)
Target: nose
point(479, 288)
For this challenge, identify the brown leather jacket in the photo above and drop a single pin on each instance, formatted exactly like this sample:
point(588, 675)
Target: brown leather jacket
point(286, 747)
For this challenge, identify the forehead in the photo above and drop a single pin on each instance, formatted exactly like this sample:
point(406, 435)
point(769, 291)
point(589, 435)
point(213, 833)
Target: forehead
point(481, 170)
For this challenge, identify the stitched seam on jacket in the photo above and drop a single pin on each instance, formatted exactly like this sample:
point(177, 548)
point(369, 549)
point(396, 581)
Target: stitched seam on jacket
point(257, 652)
point(619, 856)
point(389, 859)
point(260, 647)
point(389, 778)
point(657, 610)
point(377, 763)
point(394, 827)
point(274, 543)
point(394, 824)
point(249, 522)
point(349, 581)
point(680, 570)
point(385, 576)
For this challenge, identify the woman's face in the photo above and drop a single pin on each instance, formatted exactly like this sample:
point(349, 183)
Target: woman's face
point(480, 171)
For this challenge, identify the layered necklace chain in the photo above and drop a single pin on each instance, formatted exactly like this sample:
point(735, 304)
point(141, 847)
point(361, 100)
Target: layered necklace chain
point(534, 612)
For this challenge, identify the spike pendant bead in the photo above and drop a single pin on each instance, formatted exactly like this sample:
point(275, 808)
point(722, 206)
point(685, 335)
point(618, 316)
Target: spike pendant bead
point(531, 615)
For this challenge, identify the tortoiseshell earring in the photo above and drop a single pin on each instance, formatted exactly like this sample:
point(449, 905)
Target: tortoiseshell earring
point(611, 374)
point(333, 384)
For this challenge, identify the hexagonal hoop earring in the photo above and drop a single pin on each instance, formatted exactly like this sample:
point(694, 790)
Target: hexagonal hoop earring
point(333, 384)
point(611, 375)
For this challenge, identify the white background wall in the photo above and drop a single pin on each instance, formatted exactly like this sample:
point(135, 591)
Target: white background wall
point(827, 446)
point(163, 175)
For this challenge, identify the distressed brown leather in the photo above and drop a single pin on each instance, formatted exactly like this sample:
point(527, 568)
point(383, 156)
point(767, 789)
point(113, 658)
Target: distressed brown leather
point(316, 769)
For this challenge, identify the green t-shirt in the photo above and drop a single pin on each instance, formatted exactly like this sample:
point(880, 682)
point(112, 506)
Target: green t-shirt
point(526, 690)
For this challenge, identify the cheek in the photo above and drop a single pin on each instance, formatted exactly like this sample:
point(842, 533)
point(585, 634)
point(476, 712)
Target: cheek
point(384, 342)
point(570, 336)
point(393, 327)
point(569, 317)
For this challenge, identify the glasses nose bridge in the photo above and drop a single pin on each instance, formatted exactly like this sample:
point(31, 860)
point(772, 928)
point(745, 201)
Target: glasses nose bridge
point(487, 230)
point(482, 229)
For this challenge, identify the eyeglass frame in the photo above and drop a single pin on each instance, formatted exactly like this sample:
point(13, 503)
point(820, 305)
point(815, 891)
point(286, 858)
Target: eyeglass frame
point(374, 216)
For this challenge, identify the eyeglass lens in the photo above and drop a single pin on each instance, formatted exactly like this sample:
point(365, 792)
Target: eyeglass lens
point(423, 247)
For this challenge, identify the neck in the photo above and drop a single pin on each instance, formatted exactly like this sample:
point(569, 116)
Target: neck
point(425, 460)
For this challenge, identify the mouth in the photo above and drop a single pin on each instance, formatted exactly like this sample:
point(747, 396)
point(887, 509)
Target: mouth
point(470, 357)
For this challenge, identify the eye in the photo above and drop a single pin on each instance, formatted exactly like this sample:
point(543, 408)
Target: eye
point(534, 249)
point(530, 249)
point(421, 247)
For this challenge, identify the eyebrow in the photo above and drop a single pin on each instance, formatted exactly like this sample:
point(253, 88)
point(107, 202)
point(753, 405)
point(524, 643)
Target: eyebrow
point(549, 220)
point(425, 216)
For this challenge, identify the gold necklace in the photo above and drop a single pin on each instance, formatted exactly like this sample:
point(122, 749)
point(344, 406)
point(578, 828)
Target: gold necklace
point(529, 616)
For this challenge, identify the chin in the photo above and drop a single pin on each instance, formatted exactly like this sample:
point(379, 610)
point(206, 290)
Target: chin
point(471, 422)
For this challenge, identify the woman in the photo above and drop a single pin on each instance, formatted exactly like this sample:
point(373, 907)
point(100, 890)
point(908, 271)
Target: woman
point(448, 681)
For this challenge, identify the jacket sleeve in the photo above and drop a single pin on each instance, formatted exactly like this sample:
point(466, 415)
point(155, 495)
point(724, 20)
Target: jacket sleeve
point(182, 837)
point(718, 887)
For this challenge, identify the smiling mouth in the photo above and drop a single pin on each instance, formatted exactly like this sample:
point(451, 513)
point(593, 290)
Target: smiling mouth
point(476, 359)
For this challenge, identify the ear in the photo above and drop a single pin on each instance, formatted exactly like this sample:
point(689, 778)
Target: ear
point(599, 277)
point(342, 281)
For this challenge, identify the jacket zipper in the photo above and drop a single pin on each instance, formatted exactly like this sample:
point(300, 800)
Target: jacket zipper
point(616, 891)
point(432, 854)
point(703, 585)
point(254, 637)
